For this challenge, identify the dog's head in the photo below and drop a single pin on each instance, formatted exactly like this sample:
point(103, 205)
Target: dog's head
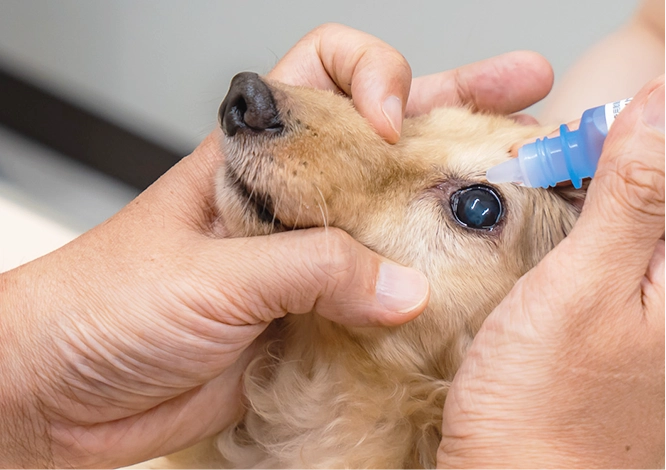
point(299, 158)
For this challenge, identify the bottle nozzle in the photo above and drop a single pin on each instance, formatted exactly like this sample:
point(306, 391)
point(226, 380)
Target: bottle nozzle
point(506, 172)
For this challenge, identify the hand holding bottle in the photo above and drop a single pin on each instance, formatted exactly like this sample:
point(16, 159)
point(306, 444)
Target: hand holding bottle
point(570, 155)
point(568, 371)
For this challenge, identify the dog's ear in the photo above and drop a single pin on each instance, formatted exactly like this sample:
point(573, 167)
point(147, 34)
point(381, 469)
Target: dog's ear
point(574, 197)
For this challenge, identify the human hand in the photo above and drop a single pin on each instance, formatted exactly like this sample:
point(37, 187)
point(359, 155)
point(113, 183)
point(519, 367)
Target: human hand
point(568, 371)
point(338, 58)
point(129, 342)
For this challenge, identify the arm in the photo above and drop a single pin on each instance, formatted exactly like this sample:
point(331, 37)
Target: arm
point(150, 317)
point(615, 68)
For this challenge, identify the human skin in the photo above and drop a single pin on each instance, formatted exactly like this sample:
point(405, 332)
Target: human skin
point(129, 342)
point(614, 68)
point(568, 371)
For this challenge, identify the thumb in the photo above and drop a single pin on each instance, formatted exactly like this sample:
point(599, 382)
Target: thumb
point(321, 270)
point(340, 58)
point(623, 215)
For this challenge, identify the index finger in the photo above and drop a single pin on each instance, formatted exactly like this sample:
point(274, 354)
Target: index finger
point(338, 58)
point(503, 84)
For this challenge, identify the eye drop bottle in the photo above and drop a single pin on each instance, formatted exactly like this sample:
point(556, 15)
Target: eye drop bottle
point(571, 156)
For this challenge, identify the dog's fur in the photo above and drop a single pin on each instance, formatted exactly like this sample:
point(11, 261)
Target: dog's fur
point(324, 395)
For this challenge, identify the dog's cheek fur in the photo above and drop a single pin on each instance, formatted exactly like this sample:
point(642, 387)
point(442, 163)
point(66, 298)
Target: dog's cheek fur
point(322, 395)
point(324, 413)
point(296, 166)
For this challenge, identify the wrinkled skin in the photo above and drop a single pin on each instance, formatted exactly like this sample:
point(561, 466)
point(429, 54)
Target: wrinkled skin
point(153, 300)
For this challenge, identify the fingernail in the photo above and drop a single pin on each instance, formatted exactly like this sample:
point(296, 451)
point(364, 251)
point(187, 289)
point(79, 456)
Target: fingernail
point(392, 109)
point(653, 113)
point(400, 289)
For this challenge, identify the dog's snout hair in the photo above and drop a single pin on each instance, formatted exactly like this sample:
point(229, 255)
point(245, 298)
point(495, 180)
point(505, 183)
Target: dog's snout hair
point(324, 395)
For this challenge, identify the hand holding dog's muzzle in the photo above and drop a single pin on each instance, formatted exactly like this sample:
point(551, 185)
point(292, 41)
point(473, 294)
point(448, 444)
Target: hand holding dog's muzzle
point(130, 342)
point(568, 371)
point(379, 79)
point(140, 328)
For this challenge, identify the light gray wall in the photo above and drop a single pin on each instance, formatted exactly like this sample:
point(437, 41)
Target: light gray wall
point(162, 67)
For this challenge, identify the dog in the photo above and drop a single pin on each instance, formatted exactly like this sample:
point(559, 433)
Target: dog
point(325, 395)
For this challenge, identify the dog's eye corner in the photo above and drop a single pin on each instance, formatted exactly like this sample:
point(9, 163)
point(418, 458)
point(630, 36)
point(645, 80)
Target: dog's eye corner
point(477, 207)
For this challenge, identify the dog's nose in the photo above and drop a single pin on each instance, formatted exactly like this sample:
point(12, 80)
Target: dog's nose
point(250, 105)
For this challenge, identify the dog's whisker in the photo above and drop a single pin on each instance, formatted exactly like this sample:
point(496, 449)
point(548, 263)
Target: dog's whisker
point(324, 211)
point(413, 203)
point(248, 201)
point(324, 215)
point(277, 205)
point(239, 181)
point(248, 178)
point(300, 208)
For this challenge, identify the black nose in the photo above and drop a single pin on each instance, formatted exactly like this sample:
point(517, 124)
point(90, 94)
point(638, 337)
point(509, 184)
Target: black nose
point(249, 105)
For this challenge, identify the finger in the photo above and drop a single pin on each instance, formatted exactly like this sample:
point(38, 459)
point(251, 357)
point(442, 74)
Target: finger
point(504, 84)
point(623, 216)
point(339, 58)
point(573, 125)
point(323, 270)
point(524, 119)
point(192, 416)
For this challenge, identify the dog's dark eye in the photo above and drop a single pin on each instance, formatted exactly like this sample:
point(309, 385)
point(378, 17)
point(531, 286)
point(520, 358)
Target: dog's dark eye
point(477, 207)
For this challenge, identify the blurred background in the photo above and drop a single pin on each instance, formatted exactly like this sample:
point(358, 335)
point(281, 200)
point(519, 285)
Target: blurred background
point(98, 98)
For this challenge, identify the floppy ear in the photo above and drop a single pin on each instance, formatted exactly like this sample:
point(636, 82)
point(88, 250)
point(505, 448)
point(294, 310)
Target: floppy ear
point(575, 197)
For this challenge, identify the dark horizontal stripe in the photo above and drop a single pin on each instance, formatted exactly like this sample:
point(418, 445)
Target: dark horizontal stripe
point(80, 134)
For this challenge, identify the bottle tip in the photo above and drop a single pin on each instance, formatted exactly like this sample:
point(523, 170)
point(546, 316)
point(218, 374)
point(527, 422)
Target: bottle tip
point(506, 172)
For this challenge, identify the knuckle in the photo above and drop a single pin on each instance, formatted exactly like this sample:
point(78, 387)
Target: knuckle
point(399, 62)
point(330, 32)
point(322, 32)
point(640, 186)
point(328, 27)
point(463, 92)
point(385, 58)
point(337, 255)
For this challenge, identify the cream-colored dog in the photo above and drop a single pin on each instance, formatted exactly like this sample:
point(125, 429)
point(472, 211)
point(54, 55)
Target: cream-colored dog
point(324, 395)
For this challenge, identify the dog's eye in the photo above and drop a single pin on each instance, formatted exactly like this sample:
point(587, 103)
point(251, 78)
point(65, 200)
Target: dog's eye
point(478, 207)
